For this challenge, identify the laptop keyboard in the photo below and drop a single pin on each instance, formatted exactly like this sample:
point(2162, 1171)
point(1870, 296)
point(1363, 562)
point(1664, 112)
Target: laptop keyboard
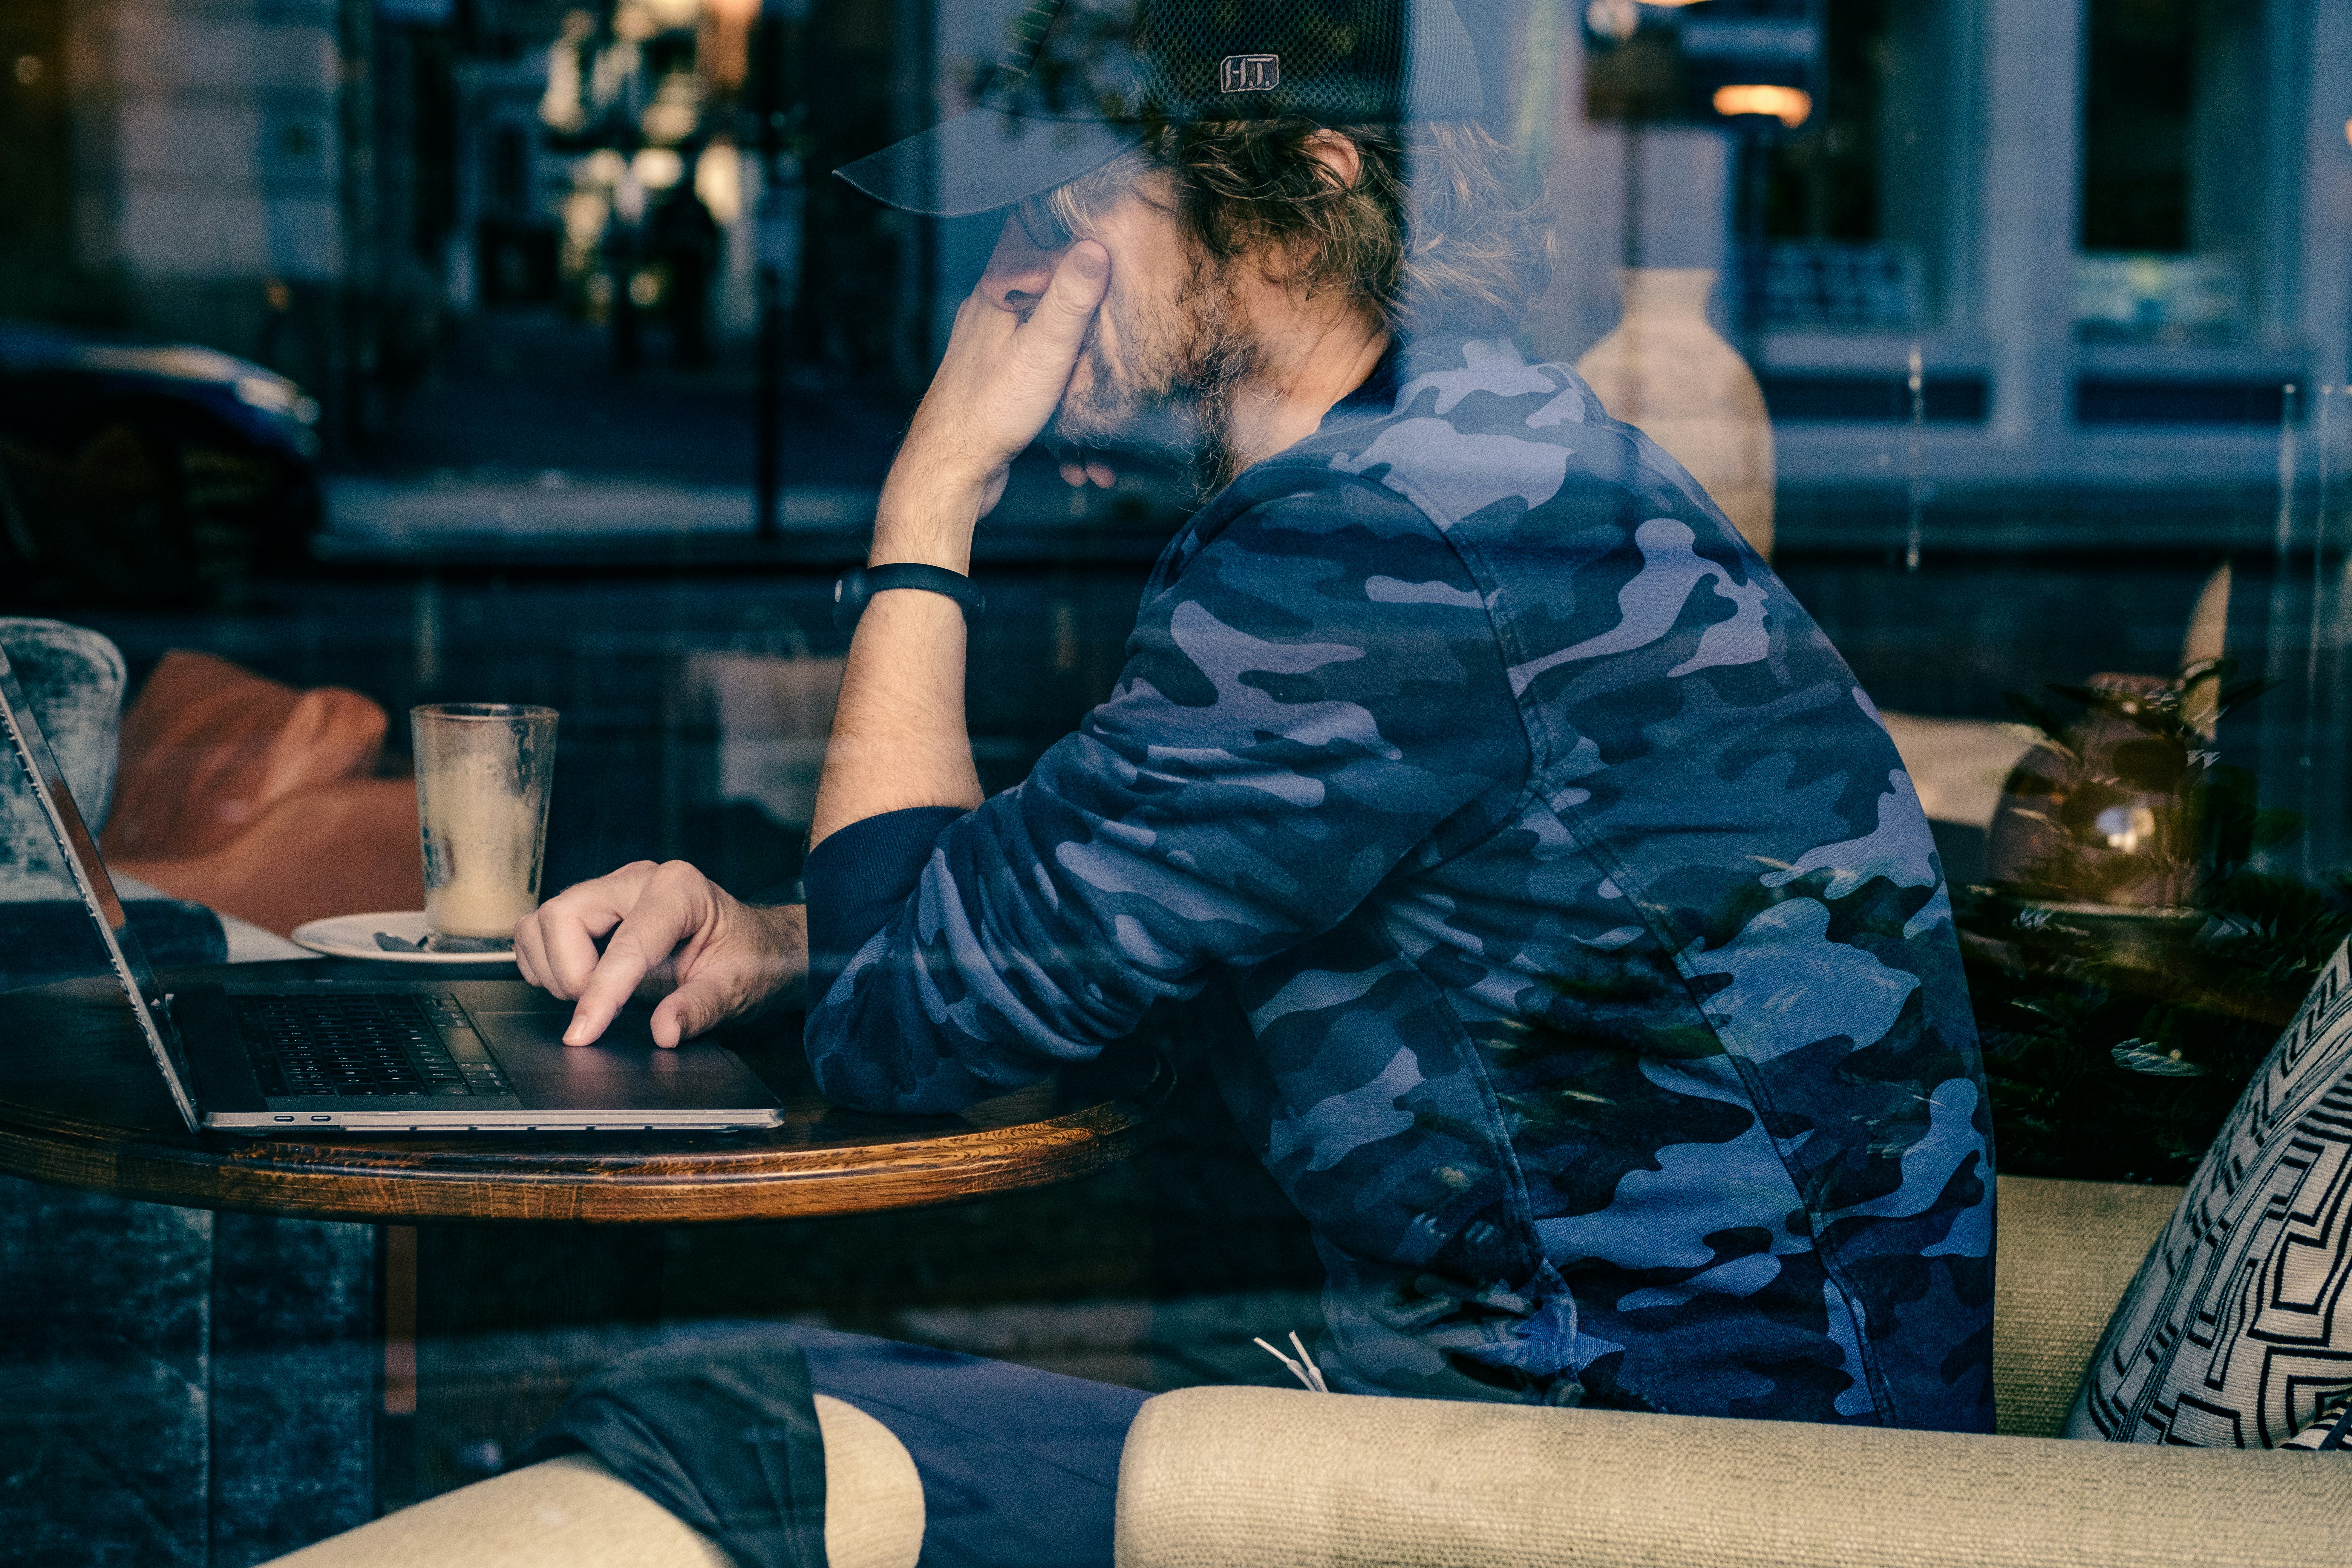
point(360, 1045)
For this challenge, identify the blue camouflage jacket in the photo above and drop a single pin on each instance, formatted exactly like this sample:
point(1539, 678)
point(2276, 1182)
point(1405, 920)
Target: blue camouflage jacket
point(1599, 1001)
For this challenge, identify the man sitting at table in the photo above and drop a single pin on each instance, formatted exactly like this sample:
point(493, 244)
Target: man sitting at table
point(1572, 935)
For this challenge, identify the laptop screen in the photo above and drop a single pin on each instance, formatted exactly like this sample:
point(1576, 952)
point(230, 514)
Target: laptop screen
point(57, 889)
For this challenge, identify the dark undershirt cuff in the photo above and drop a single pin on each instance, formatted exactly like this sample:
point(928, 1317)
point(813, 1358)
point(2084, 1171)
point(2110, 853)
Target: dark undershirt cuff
point(857, 879)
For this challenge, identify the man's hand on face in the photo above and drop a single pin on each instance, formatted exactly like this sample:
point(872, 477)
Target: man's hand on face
point(672, 928)
point(1000, 382)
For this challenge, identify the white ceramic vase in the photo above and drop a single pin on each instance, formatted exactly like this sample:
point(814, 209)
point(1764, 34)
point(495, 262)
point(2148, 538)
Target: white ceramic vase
point(1666, 370)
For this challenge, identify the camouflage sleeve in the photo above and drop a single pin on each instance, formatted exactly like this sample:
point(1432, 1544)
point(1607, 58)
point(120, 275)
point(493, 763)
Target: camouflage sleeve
point(1306, 701)
point(854, 881)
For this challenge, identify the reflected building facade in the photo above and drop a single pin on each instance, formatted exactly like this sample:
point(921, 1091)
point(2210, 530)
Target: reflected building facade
point(2114, 230)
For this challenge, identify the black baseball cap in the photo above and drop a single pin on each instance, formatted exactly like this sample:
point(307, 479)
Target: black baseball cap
point(1081, 83)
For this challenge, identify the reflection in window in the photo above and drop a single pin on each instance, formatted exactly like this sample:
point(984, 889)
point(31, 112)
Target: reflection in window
point(1833, 260)
point(2174, 173)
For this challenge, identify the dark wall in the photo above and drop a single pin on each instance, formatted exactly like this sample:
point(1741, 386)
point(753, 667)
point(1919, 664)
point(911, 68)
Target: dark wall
point(37, 266)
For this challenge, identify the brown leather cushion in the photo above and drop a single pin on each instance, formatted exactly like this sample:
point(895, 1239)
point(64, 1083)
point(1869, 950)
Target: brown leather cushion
point(244, 793)
point(339, 849)
point(209, 746)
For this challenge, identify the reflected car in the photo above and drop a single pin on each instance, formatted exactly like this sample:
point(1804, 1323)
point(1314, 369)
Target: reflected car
point(144, 471)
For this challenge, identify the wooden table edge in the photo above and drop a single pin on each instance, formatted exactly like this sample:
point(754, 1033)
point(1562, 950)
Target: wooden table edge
point(746, 1185)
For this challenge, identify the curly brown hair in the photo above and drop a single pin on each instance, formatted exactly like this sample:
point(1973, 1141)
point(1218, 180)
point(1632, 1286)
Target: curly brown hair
point(1431, 236)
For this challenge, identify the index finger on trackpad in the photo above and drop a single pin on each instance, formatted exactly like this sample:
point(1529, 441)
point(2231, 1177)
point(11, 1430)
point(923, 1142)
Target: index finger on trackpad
point(631, 1029)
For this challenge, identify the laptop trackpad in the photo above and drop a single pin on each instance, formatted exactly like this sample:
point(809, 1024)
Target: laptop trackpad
point(624, 1069)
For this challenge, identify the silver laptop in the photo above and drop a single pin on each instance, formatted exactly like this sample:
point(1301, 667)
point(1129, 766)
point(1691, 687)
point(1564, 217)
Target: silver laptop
point(387, 1056)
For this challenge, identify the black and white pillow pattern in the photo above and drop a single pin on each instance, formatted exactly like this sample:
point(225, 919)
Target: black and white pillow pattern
point(2237, 1332)
point(2329, 1431)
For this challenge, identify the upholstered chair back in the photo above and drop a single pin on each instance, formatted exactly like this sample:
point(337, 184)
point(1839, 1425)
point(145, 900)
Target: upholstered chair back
point(73, 679)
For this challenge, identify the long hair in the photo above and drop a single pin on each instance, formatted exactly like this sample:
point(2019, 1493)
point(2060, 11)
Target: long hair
point(1431, 236)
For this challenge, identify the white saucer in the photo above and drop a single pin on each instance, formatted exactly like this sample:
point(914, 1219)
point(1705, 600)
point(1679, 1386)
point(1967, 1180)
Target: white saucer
point(353, 936)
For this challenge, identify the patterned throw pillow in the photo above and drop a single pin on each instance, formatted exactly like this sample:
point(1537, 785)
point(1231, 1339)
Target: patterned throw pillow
point(2237, 1331)
point(2330, 1430)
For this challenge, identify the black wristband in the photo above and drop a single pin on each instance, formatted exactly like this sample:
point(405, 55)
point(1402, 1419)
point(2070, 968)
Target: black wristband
point(860, 584)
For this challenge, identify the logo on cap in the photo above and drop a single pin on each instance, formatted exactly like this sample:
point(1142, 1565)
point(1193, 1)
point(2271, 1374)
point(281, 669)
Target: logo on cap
point(1250, 73)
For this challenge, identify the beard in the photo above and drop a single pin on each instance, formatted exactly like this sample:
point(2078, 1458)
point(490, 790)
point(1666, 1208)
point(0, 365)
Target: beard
point(1190, 366)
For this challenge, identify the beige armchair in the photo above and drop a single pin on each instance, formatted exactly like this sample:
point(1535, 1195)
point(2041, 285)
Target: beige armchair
point(1258, 1477)
point(1261, 1477)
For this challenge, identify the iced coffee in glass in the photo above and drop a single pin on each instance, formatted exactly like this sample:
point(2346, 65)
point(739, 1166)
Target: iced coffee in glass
point(484, 771)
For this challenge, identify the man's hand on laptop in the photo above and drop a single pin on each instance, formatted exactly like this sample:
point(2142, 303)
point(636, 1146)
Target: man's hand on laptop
point(672, 928)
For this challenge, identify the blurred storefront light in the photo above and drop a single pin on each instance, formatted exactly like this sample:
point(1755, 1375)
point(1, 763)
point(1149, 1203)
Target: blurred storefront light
point(585, 212)
point(629, 197)
point(719, 181)
point(1618, 19)
point(1789, 105)
point(614, 69)
point(723, 55)
point(604, 166)
point(657, 168)
point(666, 122)
point(676, 110)
point(560, 106)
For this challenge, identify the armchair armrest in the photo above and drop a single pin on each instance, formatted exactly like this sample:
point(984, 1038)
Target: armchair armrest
point(1273, 1477)
point(2067, 1251)
point(573, 1512)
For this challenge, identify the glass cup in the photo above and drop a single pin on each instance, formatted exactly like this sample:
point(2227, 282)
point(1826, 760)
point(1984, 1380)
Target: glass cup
point(483, 773)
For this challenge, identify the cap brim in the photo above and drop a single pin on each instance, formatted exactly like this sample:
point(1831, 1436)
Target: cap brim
point(985, 159)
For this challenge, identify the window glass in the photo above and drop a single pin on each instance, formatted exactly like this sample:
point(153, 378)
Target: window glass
point(358, 355)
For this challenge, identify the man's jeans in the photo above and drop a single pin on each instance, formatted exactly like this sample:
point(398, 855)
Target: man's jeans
point(1019, 1466)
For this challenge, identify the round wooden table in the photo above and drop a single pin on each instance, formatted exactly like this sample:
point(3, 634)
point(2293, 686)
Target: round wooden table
point(348, 1368)
point(83, 1104)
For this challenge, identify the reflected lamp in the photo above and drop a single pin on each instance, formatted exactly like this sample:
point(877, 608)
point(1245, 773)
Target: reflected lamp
point(1789, 105)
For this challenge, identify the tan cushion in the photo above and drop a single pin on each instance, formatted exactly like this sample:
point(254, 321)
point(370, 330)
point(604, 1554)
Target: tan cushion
point(2065, 1253)
point(573, 1512)
point(1257, 1477)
